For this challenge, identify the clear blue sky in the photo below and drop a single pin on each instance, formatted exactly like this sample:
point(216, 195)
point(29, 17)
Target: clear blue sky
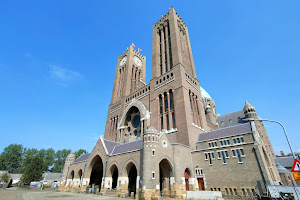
point(58, 58)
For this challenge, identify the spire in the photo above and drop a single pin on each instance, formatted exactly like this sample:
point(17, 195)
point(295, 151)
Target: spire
point(249, 110)
point(247, 104)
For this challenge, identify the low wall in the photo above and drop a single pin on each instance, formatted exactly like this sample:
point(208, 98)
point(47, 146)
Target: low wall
point(193, 195)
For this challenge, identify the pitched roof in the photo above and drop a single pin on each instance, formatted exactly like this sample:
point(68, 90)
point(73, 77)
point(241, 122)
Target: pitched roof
point(285, 161)
point(225, 132)
point(83, 157)
point(110, 145)
point(128, 147)
point(231, 119)
point(16, 176)
point(52, 176)
point(282, 169)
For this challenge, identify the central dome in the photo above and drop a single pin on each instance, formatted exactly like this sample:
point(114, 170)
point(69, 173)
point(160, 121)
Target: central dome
point(204, 94)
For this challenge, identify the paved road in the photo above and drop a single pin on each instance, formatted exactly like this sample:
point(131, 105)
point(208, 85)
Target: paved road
point(13, 194)
point(8, 195)
point(45, 195)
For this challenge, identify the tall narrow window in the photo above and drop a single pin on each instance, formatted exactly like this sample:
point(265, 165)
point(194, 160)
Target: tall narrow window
point(209, 159)
point(165, 42)
point(223, 156)
point(168, 124)
point(242, 152)
point(226, 153)
point(170, 48)
point(174, 122)
point(233, 153)
point(166, 102)
point(239, 156)
point(160, 104)
point(160, 52)
point(191, 104)
point(171, 100)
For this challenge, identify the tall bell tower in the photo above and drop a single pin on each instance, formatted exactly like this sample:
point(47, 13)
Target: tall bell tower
point(171, 45)
point(177, 92)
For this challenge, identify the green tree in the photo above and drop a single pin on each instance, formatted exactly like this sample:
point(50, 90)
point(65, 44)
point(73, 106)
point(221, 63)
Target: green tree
point(49, 156)
point(80, 152)
point(34, 170)
point(5, 178)
point(28, 154)
point(60, 158)
point(11, 158)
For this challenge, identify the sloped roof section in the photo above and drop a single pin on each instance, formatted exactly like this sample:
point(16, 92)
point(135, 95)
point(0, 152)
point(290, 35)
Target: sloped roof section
point(286, 162)
point(282, 169)
point(128, 147)
point(225, 132)
point(52, 176)
point(110, 145)
point(231, 119)
point(82, 158)
point(16, 176)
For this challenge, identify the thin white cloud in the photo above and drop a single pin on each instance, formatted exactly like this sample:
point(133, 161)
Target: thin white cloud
point(63, 75)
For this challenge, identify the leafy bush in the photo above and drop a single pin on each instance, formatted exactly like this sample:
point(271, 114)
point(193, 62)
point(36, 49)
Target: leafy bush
point(5, 178)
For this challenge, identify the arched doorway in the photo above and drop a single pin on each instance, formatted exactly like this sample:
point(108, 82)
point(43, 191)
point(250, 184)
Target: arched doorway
point(71, 176)
point(114, 174)
point(187, 175)
point(132, 176)
point(97, 171)
point(79, 176)
point(165, 172)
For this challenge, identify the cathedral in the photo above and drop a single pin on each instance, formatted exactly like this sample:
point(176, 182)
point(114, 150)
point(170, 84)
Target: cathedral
point(165, 138)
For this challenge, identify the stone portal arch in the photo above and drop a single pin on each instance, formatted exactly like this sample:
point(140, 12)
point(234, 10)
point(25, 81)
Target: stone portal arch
point(71, 175)
point(95, 171)
point(132, 173)
point(165, 174)
point(114, 174)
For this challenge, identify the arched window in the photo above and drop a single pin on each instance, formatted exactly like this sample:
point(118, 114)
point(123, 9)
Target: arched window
point(160, 104)
point(171, 100)
point(166, 102)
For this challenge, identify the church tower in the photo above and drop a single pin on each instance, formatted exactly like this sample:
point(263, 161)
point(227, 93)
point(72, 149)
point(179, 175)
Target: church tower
point(130, 76)
point(171, 45)
point(177, 94)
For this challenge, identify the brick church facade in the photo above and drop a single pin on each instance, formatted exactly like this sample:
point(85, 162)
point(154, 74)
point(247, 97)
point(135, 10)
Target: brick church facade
point(165, 138)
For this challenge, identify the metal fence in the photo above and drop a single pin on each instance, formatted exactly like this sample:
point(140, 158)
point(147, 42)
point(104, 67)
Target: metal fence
point(275, 190)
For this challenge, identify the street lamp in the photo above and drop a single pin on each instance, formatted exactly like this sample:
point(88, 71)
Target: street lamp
point(260, 120)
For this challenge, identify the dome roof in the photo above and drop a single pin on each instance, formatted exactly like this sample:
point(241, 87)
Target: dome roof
point(204, 94)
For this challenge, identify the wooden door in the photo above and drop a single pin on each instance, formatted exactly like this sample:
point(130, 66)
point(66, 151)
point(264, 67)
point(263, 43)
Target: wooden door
point(186, 176)
point(201, 184)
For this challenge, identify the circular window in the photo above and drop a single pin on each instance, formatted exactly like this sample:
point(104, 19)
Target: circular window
point(136, 121)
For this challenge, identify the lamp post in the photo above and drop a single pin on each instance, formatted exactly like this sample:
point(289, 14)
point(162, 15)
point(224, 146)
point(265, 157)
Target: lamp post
point(260, 120)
